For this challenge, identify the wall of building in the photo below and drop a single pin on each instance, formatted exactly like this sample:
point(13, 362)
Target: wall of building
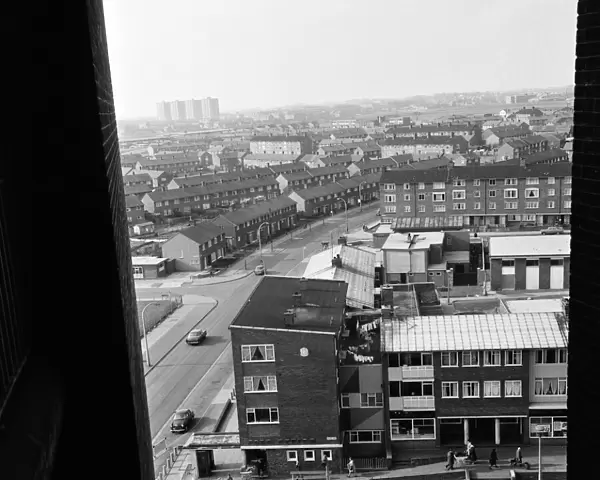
point(279, 465)
point(520, 273)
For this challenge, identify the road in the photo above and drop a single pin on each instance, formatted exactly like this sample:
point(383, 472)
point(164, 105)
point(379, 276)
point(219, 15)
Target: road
point(190, 377)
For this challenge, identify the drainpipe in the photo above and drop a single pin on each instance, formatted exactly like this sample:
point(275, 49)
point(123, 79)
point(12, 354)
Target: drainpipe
point(386, 409)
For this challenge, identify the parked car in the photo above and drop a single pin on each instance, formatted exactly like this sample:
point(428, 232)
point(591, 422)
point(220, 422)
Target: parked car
point(260, 270)
point(182, 421)
point(196, 337)
point(553, 231)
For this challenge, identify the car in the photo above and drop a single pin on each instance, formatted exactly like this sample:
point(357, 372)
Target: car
point(553, 231)
point(196, 337)
point(182, 421)
point(260, 270)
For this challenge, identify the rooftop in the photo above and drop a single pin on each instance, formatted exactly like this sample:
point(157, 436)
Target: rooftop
point(321, 191)
point(423, 240)
point(535, 305)
point(246, 214)
point(147, 261)
point(319, 306)
point(474, 332)
point(531, 245)
point(200, 234)
point(133, 201)
point(362, 344)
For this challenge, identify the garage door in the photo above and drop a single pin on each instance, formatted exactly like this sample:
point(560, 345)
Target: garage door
point(557, 277)
point(508, 282)
point(532, 278)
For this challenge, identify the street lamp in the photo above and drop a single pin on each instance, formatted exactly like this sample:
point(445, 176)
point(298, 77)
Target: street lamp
point(346, 211)
point(259, 241)
point(144, 331)
point(360, 194)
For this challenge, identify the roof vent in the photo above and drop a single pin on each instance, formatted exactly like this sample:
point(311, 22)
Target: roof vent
point(288, 317)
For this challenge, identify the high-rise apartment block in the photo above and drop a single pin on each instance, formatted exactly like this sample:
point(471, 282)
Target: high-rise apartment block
point(210, 108)
point(205, 109)
point(163, 111)
point(193, 109)
point(178, 110)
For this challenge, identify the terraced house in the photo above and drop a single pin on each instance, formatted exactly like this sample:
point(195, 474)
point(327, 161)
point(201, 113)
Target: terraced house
point(173, 164)
point(497, 135)
point(311, 177)
point(433, 145)
point(444, 130)
point(281, 145)
point(211, 179)
point(516, 148)
point(500, 194)
point(366, 167)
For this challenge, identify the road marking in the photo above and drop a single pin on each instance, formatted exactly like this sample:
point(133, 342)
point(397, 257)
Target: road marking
point(155, 439)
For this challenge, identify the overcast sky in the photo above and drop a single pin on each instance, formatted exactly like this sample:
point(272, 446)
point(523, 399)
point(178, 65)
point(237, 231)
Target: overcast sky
point(267, 53)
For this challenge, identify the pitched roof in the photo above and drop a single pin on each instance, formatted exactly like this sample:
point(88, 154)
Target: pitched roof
point(377, 163)
point(540, 157)
point(152, 173)
point(137, 189)
point(320, 191)
point(431, 128)
point(295, 176)
point(435, 140)
point(278, 138)
point(135, 178)
point(337, 147)
point(341, 159)
point(271, 158)
point(210, 189)
point(133, 201)
point(498, 170)
point(242, 215)
point(201, 233)
point(328, 170)
point(288, 167)
point(167, 161)
point(521, 331)
point(427, 164)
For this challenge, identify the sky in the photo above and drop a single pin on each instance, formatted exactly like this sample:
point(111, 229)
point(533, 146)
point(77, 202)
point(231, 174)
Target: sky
point(269, 53)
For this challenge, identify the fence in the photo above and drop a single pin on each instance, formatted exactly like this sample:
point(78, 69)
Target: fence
point(377, 463)
point(166, 305)
point(171, 459)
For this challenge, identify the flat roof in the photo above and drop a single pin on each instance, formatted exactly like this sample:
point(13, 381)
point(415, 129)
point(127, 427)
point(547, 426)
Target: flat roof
point(535, 305)
point(141, 261)
point(474, 332)
point(423, 240)
point(427, 223)
point(531, 245)
point(320, 307)
point(214, 440)
point(457, 257)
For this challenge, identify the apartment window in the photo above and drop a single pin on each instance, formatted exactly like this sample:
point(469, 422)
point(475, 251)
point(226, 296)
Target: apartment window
point(492, 194)
point(532, 193)
point(258, 353)
point(262, 415)
point(407, 186)
point(371, 400)
point(413, 429)
point(292, 455)
point(421, 197)
point(389, 186)
point(567, 204)
point(530, 205)
point(390, 209)
point(567, 180)
point(513, 358)
point(309, 455)
point(389, 198)
point(327, 454)
point(345, 400)
point(551, 356)
point(421, 186)
point(558, 426)
point(551, 180)
point(477, 194)
point(532, 181)
point(476, 182)
point(458, 195)
point(458, 182)
point(491, 358)
point(492, 182)
point(449, 389)
point(449, 359)
point(365, 436)
point(470, 359)
point(550, 386)
point(510, 181)
point(260, 384)
point(470, 390)
point(459, 206)
point(477, 206)
point(407, 197)
point(513, 388)
point(551, 204)
point(491, 389)
point(567, 192)
point(511, 193)
point(407, 209)
point(492, 205)
point(439, 208)
point(421, 208)
point(511, 205)
point(439, 185)
point(439, 197)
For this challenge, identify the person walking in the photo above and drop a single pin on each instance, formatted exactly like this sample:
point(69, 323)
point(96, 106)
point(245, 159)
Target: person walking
point(493, 459)
point(451, 459)
point(519, 455)
point(298, 469)
point(351, 467)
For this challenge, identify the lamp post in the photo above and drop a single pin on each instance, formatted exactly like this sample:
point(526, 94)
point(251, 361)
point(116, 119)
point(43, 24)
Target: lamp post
point(346, 212)
point(144, 332)
point(360, 199)
point(259, 240)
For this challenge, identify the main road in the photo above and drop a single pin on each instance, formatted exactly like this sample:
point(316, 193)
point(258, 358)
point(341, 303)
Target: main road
point(190, 377)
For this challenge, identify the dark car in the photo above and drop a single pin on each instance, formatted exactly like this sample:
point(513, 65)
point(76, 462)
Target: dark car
point(195, 337)
point(182, 420)
point(553, 231)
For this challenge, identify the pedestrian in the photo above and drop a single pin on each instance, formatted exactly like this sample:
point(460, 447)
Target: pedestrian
point(473, 454)
point(324, 460)
point(351, 468)
point(493, 459)
point(451, 459)
point(298, 469)
point(229, 477)
point(519, 456)
point(259, 467)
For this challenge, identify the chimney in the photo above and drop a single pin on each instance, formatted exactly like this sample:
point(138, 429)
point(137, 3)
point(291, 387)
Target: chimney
point(288, 317)
point(303, 284)
point(522, 162)
point(386, 312)
point(297, 296)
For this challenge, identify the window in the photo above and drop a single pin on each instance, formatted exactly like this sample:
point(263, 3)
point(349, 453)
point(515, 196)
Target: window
point(532, 181)
point(491, 389)
point(470, 389)
point(389, 198)
point(458, 182)
point(492, 182)
point(389, 186)
point(421, 208)
point(449, 389)
point(551, 204)
point(345, 400)
point(413, 429)
point(458, 195)
point(513, 358)
point(439, 185)
point(491, 358)
point(511, 193)
point(567, 192)
point(567, 204)
point(258, 353)
point(532, 193)
point(421, 196)
point(512, 388)
point(449, 359)
point(371, 400)
point(260, 384)
point(510, 181)
point(551, 356)
point(407, 197)
point(492, 205)
point(421, 186)
point(531, 205)
point(551, 180)
point(439, 208)
point(477, 206)
point(470, 359)
point(327, 454)
point(476, 182)
point(439, 197)
point(567, 180)
point(365, 436)
point(459, 206)
point(390, 209)
point(309, 455)
point(407, 186)
point(558, 426)
point(292, 455)
point(550, 386)
point(492, 193)
point(511, 205)
point(262, 415)
point(407, 209)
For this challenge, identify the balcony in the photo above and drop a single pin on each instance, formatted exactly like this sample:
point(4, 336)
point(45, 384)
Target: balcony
point(412, 403)
point(424, 372)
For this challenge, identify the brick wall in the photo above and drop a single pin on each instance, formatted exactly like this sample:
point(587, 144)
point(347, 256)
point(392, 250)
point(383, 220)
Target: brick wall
point(279, 465)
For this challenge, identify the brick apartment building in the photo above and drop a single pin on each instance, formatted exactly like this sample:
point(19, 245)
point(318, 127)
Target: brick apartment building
point(516, 148)
point(286, 373)
point(502, 194)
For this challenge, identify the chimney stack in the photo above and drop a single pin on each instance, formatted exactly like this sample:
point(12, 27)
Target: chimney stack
point(288, 317)
point(297, 296)
point(303, 285)
point(522, 162)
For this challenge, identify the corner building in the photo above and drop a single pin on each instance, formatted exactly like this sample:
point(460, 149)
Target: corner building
point(285, 342)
